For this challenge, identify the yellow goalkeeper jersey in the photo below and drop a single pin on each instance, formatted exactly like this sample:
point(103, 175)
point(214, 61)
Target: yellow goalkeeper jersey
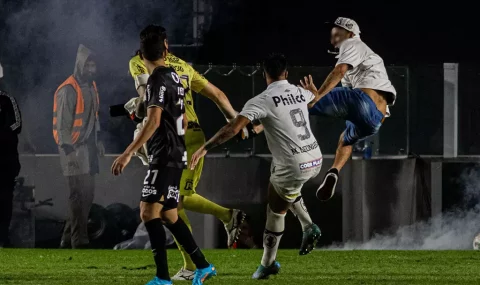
point(191, 79)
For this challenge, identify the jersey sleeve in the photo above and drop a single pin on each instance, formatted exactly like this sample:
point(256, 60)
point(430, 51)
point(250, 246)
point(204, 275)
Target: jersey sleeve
point(198, 81)
point(156, 94)
point(349, 54)
point(138, 71)
point(346, 82)
point(254, 109)
point(309, 96)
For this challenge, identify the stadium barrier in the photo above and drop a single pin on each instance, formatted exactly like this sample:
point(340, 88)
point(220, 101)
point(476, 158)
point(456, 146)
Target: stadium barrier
point(373, 195)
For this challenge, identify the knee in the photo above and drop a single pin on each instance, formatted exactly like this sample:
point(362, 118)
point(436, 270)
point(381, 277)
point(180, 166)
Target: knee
point(347, 139)
point(370, 130)
point(276, 209)
point(356, 134)
point(169, 219)
point(148, 214)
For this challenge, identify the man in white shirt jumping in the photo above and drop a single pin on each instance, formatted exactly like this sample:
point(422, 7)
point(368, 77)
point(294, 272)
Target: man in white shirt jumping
point(283, 113)
point(362, 101)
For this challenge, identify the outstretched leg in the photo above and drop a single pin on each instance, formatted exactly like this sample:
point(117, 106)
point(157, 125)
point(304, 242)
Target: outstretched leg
point(311, 232)
point(276, 211)
point(343, 154)
point(363, 119)
point(232, 219)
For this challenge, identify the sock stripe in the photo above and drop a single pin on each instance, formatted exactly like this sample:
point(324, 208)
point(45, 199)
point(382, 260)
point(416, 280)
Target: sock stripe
point(274, 233)
point(298, 199)
point(189, 253)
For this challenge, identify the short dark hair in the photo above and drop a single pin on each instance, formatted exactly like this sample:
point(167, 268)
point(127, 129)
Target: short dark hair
point(274, 65)
point(152, 42)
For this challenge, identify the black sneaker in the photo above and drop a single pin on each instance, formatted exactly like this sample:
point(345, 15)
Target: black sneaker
point(327, 189)
point(65, 245)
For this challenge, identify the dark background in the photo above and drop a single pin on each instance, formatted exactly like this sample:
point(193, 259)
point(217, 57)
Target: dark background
point(403, 32)
point(39, 39)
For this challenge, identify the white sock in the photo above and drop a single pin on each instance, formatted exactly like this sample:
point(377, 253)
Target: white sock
point(272, 235)
point(300, 211)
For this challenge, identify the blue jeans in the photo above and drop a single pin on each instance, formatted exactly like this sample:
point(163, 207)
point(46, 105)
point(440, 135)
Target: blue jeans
point(356, 107)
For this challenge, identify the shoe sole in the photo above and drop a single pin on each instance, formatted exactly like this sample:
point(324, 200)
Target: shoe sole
point(181, 278)
point(311, 244)
point(330, 182)
point(265, 277)
point(240, 220)
point(209, 275)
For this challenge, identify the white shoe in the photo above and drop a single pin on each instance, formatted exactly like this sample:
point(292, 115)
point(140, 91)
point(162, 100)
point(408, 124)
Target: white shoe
point(184, 275)
point(233, 226)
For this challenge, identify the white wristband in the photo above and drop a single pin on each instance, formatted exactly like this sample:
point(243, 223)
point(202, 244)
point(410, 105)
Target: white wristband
point(229, 120)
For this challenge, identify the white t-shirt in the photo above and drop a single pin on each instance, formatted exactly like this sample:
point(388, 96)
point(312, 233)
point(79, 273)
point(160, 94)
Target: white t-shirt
point(282, 109)
point(368, 69)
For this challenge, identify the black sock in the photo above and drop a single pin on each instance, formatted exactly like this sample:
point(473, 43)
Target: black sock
point(156, 232)
point(333, 170)
point(185, 238)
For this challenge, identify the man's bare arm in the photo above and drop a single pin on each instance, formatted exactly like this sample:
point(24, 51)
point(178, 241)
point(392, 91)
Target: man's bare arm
point(331, 82)
point(152, 123)
point(223, 135)
point(227, 132)
point(216, 95)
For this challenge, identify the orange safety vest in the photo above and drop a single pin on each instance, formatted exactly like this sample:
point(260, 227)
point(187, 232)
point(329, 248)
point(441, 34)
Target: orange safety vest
point(79, 109)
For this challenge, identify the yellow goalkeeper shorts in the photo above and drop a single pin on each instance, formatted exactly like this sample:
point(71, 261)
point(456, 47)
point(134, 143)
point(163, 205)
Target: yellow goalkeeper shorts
point(194, 139)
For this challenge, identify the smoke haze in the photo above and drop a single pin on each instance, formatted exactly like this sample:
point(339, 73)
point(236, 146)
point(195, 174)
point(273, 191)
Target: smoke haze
point(40, 41)
point(454, 229)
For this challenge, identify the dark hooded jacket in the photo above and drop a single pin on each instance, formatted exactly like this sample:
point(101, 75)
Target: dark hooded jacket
point(84, 159)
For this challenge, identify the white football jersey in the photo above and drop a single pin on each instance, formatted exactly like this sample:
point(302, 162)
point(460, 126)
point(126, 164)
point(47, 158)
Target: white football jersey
point(368, 69)
point(282, 109)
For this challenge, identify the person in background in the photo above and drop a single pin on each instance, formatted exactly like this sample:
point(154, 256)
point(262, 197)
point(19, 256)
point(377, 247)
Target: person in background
point(75, 130)
point(10, 128)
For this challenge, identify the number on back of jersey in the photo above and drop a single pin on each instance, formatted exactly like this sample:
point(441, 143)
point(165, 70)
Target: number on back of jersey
point(298, 120)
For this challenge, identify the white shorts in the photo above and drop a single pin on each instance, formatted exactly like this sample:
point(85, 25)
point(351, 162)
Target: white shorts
point(288, 181)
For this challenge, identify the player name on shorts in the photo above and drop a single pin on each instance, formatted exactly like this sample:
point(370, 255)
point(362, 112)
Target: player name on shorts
point(288, 99)
point(297, 150)
point(311, 164)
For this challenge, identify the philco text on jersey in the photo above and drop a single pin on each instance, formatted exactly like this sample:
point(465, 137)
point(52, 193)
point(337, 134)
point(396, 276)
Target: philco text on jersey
point(288, 100)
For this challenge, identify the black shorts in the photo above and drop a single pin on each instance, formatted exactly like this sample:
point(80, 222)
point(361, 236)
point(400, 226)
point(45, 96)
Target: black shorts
point(161, 185)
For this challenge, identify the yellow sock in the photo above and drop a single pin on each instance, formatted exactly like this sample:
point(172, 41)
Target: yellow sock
point(187, 261)
point(199, 204)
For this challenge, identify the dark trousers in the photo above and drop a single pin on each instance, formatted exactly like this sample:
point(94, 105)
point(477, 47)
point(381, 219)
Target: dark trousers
point(82, 188)
point(7, 186)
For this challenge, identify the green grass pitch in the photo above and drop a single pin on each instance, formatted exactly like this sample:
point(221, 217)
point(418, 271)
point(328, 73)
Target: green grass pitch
point(95, 267)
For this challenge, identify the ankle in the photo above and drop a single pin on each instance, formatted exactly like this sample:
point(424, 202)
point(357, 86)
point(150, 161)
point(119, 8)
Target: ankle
point(230, 216)
point(334, 170)
point(306, 227)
